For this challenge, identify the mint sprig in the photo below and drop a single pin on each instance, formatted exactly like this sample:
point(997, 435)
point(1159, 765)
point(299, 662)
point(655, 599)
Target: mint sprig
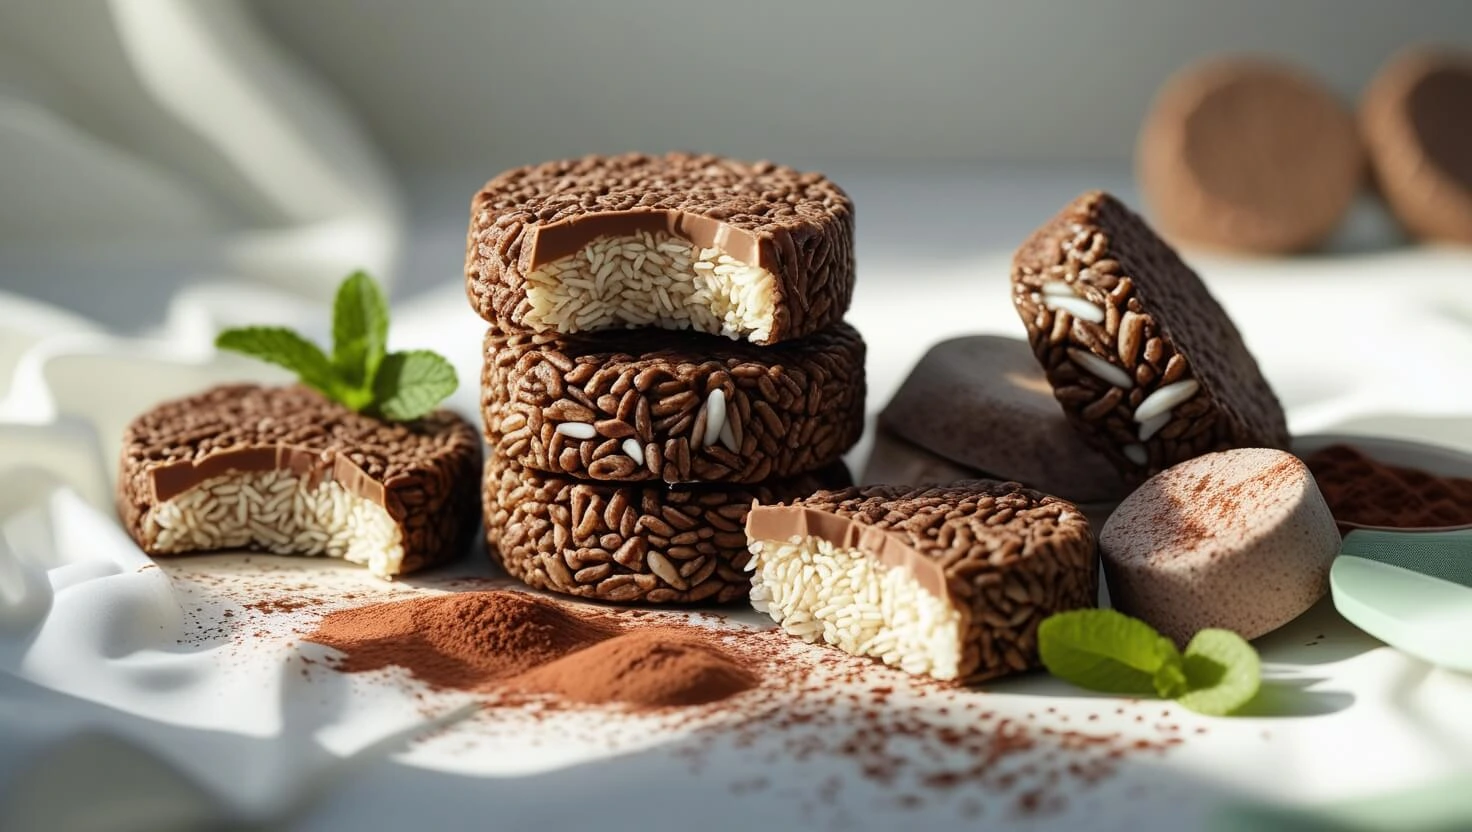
point(1108, 651)
point(361, 374)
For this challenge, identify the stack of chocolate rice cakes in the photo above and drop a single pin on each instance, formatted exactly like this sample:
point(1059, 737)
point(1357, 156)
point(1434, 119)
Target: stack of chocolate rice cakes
point(666, 346)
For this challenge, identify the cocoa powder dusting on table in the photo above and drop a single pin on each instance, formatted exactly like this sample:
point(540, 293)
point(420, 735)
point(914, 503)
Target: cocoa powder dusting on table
point(1367, 492)
point(757, 693)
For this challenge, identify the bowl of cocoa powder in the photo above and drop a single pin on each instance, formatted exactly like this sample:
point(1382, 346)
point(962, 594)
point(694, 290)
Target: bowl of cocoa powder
point(1375, 482)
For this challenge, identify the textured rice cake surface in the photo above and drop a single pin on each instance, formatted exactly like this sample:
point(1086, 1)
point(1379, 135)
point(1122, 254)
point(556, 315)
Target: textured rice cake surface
point(752, 251)
point(1146, 363)
point(1240, 540)
point(1417, 120)
point(287, 471)
point(678, 407)
point(982, 401)
point(629, 542)
point(950, 581)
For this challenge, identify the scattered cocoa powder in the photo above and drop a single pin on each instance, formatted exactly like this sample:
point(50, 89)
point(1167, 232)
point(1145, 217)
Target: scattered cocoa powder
point(1367, 492)
point(649, 668)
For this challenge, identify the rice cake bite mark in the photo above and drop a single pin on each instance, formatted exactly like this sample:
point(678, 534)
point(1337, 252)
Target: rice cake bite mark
point(750, 251)
point(1416, 117)
point(1192, 385)
point(946, 581)
point(983, 402)
point(284, 470)
point(1249, 155)
point(679, 407)
point(1239, 539)
point(646, 543)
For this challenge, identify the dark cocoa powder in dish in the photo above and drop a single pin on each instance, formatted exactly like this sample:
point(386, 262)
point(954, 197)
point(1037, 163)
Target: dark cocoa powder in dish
point(1368, 492)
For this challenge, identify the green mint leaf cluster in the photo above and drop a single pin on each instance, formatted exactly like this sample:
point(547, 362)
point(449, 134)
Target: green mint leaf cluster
point(1110, 652)
point(361, 373)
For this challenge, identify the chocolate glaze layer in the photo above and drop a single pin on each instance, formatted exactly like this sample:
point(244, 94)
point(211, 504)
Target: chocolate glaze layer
point(557, 240)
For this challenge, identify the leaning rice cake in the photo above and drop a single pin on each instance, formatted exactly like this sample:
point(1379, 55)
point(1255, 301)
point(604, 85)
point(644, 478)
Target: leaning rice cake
point(1145, 362)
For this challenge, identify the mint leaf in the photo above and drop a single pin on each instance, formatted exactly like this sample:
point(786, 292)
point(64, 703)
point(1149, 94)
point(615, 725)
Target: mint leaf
point(284, 348)
point(1108, 651)
point(359, 331)
point(410, 384)
point(1170, 680)
point(1223, 672)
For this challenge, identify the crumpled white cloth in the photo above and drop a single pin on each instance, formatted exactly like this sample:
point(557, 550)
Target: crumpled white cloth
point(113, 717)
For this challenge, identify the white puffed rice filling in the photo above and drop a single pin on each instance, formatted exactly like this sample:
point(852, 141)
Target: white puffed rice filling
point(281, 513)
point(652, 279)
point(816, 590)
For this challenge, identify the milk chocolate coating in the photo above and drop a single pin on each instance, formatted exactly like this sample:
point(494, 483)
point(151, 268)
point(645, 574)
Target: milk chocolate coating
point(629, 542)
point(1250, 155)
point(1004, 556)
point(1160, 326)
point(982, 401)
point(798, 226)
point(788, 408)
point(1240, 540)
point(424, 473)
point(1416, 118)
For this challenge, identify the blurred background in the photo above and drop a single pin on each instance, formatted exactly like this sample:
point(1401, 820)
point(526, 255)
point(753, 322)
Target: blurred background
point(148, 146)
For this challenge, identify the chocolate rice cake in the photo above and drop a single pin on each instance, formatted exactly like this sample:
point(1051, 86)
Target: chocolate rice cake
point(287, 471)
point(635, 543)
point(947, 581)
point(1249, 154)
point(653, 404)
point(752, 251)
point(1416, 117)
point(1145, 362)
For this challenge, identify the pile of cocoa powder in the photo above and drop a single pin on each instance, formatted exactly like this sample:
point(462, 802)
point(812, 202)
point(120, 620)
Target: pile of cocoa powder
point(910, 740)
point(1367, 492)
point(517, 642)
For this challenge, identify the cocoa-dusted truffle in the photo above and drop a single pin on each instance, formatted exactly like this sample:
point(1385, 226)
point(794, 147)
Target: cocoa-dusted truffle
point(1240, 540)
point(1417, 120)
point(1146, 363)
point(1249, 154)
point(751, 251)
point(646, 543)
point(287, 471)
point(681, 407)
point(950, 581)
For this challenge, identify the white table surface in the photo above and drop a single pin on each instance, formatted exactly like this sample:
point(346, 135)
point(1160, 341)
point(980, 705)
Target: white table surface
point(100, 702)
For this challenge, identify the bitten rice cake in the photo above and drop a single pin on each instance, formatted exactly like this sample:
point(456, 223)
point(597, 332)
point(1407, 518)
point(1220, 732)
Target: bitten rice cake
point(636, 542)
point(1146, 363)
point(949, 581)
point(751, 251)
point(285, 470)
point(681, 407)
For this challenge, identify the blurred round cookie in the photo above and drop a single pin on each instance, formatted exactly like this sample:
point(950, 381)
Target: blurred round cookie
point(1247, 154)
point(983, 402)
point(1416, 118)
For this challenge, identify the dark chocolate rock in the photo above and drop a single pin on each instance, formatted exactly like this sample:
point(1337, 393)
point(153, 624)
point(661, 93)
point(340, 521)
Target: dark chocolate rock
point(754, 251)
point(982, 401)
point(1251, 155)
point(1146, 363)
point(1417, 121)
point(630, 542)
point(286, 470)
point(986, 562)
point(678, 406)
